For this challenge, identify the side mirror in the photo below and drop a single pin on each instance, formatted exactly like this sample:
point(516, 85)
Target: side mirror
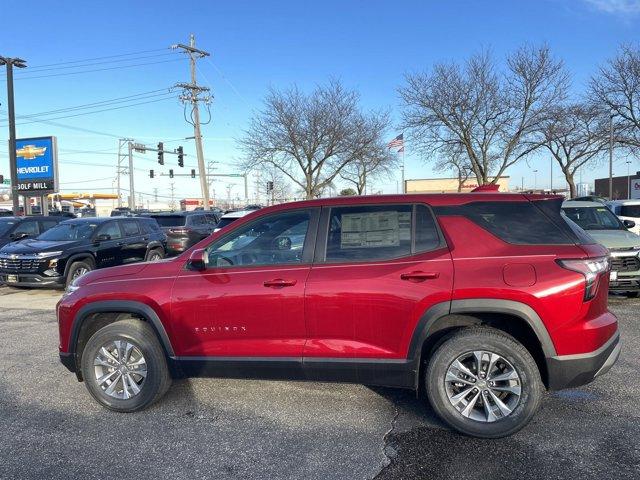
point(629, 223)
point(282, 243)
point(103, 237)
point(198, 260)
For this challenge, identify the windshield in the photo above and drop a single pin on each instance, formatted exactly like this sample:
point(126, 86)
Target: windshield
point(5, 225)
point(170, 220)
point(69, 231)
point(594, 218)
point(630, 211)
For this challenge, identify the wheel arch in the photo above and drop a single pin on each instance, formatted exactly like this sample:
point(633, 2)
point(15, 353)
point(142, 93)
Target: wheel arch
point(96, 315)
point(78, 257)
point(515, 318)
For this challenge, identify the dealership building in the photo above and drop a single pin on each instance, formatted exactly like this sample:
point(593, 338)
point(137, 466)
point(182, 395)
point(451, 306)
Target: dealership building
point(623, 187)
point(447, 185)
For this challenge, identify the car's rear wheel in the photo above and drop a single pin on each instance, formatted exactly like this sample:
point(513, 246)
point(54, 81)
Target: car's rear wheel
point(155, 255)
point(78, 269)
point(124, 366)
point(483, 383)
point(632, 294)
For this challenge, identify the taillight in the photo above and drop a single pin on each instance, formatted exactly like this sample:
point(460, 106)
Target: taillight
point(591, 268)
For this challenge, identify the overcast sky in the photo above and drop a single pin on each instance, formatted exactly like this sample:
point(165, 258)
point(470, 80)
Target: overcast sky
point(369, 45)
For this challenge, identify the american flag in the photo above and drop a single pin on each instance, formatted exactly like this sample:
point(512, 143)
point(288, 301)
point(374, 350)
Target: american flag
point(397, 142)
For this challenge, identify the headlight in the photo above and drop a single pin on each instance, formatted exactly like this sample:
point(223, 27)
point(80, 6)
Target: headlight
point(49, 254)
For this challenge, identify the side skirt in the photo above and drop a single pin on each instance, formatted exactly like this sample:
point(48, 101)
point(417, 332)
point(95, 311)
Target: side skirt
point(385, 373)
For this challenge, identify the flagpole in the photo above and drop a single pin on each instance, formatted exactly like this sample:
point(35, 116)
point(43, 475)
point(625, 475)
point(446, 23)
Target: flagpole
point(404, 190)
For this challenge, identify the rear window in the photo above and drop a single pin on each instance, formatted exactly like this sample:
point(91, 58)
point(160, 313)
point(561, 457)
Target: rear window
point(170, 220)
point(519, 223)
point(149, 225)
point(630, 211)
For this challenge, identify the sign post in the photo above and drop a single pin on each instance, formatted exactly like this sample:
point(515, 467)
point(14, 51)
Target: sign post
point(37, 168)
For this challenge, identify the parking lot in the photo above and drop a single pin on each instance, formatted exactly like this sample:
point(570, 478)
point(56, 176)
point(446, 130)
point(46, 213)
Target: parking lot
point(208, 428)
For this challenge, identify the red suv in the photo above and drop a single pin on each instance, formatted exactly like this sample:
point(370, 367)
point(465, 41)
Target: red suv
point(477, 301)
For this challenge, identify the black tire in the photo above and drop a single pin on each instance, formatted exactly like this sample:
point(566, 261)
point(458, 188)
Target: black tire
point(632, 294)
point(75, 268)
point(491, 340)
point(154, 255)
point(143, 337)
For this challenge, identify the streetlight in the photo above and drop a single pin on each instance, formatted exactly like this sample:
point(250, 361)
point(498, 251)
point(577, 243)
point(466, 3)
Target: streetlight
point(10, 63)
point(535, 180)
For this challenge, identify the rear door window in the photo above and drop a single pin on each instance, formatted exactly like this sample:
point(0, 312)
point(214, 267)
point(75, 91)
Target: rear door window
point(112, 229)
point(369, 232)
point(130, 228)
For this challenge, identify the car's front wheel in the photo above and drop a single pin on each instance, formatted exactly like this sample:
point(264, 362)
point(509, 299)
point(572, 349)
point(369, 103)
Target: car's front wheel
point(483, 383)
point(124, 366)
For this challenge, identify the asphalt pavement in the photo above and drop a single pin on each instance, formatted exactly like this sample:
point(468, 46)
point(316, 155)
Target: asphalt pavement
point(231, 429)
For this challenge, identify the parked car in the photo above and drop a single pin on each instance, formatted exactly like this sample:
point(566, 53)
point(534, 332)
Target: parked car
point(75, 247)
point(627, 210)
point(231, 217)
point(607, 229)
point(184, 229)
point(479, 301)
point(13, 229)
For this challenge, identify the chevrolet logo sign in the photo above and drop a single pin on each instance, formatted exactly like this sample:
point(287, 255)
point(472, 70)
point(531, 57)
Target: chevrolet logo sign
point(29, 152)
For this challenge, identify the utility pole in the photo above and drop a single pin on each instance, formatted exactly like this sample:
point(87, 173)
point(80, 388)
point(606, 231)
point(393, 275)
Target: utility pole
point(13, 167)
point(173, 202)
point(132, 192)
point(191, 92)
point(120, 169)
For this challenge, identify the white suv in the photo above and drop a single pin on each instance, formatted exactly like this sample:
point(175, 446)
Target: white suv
point(627, 210)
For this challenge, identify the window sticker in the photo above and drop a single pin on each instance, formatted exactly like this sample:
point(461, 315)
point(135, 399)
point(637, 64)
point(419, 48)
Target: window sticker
point(372, 229)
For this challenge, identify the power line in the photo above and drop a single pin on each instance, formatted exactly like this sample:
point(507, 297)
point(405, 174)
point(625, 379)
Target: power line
point(136, 96)
point(31, 120)
point(71, 127)
point(100, 69)
point(58, 67)
point(99, 58)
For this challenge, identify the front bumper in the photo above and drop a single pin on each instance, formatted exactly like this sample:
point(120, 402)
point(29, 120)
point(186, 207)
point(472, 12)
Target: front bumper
point(17, 279)
point(568, 371)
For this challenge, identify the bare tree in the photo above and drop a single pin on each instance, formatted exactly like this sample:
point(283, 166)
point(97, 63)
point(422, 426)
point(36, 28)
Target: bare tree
point(493, 115)
point(310, 138)
point(616, 87)
point(575, 135)
point(454, 158)
point(281, 186)
point(374, 159)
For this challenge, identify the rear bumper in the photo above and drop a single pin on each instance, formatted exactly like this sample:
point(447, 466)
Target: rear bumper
point(32, 280)
point(568, 371)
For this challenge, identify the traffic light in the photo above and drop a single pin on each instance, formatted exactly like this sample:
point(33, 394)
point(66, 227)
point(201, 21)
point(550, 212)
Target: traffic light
point(180, 157)
point(150, 173)
point(193, 173)
point(1, 178)
point(171, 173)
point(269, 186)
point(161, 153)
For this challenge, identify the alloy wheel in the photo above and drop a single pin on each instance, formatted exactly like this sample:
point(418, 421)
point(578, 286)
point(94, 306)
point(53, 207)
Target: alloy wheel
point(483, 386)
point(120, 369)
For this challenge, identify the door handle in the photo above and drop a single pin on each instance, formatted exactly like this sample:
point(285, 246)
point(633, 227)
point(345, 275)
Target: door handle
point(419, 276)
point(279, 283)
